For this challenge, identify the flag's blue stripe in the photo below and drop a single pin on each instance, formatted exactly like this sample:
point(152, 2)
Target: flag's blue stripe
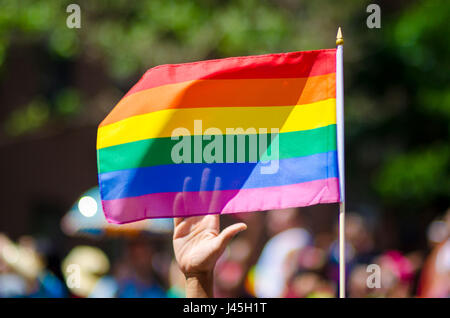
point(188, 177)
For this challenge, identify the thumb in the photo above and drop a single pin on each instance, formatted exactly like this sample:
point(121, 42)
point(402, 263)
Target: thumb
point(228, 233)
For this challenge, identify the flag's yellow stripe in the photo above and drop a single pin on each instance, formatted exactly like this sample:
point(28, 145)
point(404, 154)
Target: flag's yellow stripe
point(163, 123)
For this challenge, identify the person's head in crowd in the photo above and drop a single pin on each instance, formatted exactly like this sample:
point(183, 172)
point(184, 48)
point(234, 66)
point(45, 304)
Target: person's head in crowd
point(140, 254)
point(137, 276)
point(358, 233)
point(281, 220)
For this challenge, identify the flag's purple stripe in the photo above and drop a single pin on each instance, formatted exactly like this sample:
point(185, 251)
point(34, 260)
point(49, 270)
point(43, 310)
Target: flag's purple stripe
point(174, 204)
point(201, 176)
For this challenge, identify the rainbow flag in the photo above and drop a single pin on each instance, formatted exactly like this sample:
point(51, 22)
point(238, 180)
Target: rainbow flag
point(222, 136)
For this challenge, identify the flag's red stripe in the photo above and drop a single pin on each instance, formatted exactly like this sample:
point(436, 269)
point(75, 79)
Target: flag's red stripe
point(282, 65)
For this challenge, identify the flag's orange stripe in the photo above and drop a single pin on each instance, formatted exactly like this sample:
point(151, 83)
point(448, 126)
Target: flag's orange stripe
point(225, 93)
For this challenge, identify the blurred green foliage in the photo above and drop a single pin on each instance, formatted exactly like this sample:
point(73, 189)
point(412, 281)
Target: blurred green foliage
point(418, 172)
point(397, 77)
point(68, 102)
point(28, 118)
point(416, 176)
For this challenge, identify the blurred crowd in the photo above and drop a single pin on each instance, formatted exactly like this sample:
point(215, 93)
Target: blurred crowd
point(277, 256)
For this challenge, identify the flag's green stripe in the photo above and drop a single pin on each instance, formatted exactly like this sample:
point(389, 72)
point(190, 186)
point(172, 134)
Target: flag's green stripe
point(157, 151)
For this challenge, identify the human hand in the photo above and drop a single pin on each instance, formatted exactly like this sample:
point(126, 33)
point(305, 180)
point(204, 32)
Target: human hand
point(198, 242)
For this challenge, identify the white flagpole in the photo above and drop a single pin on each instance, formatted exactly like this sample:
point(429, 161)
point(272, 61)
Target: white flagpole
point(340, 150)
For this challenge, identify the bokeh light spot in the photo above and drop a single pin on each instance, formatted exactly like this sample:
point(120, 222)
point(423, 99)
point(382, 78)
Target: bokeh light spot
point(87, 206)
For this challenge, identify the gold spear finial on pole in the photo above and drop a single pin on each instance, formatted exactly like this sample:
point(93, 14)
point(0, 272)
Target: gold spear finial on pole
point(339, 37)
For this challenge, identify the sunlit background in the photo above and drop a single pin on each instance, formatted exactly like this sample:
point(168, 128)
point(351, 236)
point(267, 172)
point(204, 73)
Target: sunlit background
point(57, 84)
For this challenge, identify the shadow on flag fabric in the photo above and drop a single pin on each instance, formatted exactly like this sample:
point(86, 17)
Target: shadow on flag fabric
point(231, 135)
